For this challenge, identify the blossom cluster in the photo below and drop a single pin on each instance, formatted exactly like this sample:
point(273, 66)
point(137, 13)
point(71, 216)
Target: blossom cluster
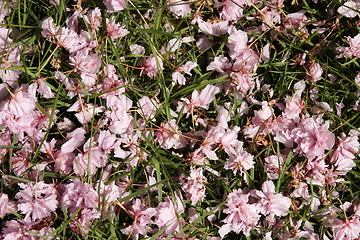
point(189, 120)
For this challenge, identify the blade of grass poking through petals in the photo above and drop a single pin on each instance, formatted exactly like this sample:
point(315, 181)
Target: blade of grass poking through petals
point(158, 177)
point(137, 193)
point(158, 234)
point(191, 87)
point(17, 178)
point(284, 169)
point(51, 120)
point(9, 147)
point(67, 220)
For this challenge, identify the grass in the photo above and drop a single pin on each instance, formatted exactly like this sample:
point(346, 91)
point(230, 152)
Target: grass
point(147, 22)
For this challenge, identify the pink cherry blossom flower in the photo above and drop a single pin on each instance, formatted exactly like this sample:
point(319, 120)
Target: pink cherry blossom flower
point(221, 64)
point(73, 41)
point(136, 154)
point(353, 50)
point(142, 217)
point(20, 162)
point(270, 202)
point(79, 195)
point(179, 8)
point(344, 154)
point(49, 147)
point(72, 22)
point(211, 28)
point(270, 16)
point(193, 186)
point(243, 83)
point(11, 58)
point(198, 99)
point(82, 222)
point(115, 5)
point(294, 107)
point(85, 111)
point(211, 139)
point(148, 107)
point(167, 215)
point(339, 107)
point(177, 77)
point(54, 2)
point(112, 85)
point(242, 216)
point(173, 45)
point(6, 206)
point(5, 140)
point(75, 138)
point(115, 30)
point(15, 230)
point(4, 10)
point(87, 163)
point(137, 49)
point(21, 103)
point(262, 115)
point(296, 21)
point(120, 120)
point(312, 137)
point(349, 9)
point(42, 88)
point(239, 160)
point(203, 43)
point(19, 229)
point(37, 201)
point(315, 72)
point(109, 193)
point(229, 139)
point(93, 19)
point(107, 141)
point(349, 228)
point(274, 164)
point(152, 65)
point(237, 42)
point(49, 30)
point(168, 136)
point(87, 65)
point(64, 162)
point(232, 10)
point(302, 191)
point(223, 116)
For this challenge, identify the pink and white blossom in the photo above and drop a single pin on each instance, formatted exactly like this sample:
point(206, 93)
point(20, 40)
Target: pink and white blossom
point(270, 202)
point(313, 138)
point(167, 215)
point(79, 195)
point(93, 19)
point(239, 160)
point(344, 154)
point(193, 185)
point(142, 218)
point(169, 136)
point(37, 201)
point(114, 30)
point(179, 8)
point(241, 216)
point(152, 65)
point(232, 10)
point(349, 9)
point(6, 206)
point(115, 5)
